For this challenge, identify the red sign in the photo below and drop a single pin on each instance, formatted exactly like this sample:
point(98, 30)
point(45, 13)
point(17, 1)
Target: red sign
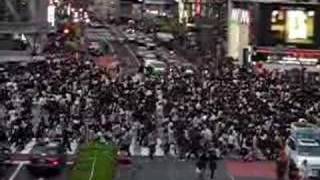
point(300, 53)
point(198, 7)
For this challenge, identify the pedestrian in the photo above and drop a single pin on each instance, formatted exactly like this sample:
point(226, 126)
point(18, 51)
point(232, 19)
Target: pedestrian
point(201, 165)
point(282, 164)
point(152, 142)
point(126, 142)
point(294, 172)
point(66, 140)
point(212, 160)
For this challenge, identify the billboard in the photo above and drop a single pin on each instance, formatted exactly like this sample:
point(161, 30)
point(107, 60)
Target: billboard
point(288, 25)
point(293, 26)
point(238, 32)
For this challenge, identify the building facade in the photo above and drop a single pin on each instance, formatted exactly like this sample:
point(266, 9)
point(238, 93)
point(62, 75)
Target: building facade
point(274, 31)
point(105, 8)
point(23, 24)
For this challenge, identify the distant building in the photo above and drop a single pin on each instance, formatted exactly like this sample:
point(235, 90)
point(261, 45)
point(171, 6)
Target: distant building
point(23, 25)
point(161, 7)
point(105, 8)
point(137, 9)
point(274, 31)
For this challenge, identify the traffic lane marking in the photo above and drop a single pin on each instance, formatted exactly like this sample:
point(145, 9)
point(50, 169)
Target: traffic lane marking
point(26, 162)
point(24, 175)
point(8, 171)
point(16, 172)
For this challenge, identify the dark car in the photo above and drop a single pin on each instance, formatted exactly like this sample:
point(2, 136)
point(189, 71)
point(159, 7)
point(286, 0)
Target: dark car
point(47, 158)
point(5, 154)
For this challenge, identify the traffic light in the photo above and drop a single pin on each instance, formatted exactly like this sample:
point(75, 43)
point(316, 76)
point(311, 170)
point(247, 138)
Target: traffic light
point(66, 31)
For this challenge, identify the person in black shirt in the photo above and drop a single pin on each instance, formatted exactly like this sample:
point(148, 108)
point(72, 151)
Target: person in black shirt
point(212, 162)
point(201, 164)
point(65, 139)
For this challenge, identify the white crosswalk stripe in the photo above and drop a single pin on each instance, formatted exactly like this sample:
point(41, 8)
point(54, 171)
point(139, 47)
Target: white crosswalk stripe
point(26, 162)
point(135, 150)
point(28, 147)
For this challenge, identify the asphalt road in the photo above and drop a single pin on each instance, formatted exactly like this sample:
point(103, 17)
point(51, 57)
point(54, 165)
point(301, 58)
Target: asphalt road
point(173, 169)
point(130, 63)
point(126, 56)
point(166, 168)
point(20, 172)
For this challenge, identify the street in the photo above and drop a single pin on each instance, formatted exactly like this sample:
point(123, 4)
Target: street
point(20, 172)
point(214, 91)
point(173, 169)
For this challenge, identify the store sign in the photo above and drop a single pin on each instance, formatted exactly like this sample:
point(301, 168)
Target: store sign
point(240, 15)
point(51, 14)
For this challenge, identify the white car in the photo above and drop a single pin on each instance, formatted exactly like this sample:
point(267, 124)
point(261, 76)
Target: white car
point(157, 66)
point(131, 38)
point(151, 45)
point(300, 150)
point(303, 144)
point(142, 53)
point(94, 46)
point(130, 31)
point(141, 48)
point(150, 56)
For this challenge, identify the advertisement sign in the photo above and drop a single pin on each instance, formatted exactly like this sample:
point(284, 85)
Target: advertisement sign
point(293, 25)
point(51, 15)
point(240, 15)
point(198, 7)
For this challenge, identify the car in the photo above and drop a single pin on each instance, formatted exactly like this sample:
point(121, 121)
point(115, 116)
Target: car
point(140, 53)
point(122, 40)
point(151, 46)
point(96, 25)
point(130, 31)
point(94, 45)
point(47, 157)
point(131, 38)
point(188, 69)
point(5, 154)
point(140, 42)
point(303, 144)
point(145, 54)
point(154, 67)
point(150, 55)
point(141, 48)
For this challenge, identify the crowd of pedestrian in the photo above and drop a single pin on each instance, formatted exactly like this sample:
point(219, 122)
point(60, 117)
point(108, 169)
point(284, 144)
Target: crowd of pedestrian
point(237, 112)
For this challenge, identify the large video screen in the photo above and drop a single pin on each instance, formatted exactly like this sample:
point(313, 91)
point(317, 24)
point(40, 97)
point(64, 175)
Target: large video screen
point(289, 25)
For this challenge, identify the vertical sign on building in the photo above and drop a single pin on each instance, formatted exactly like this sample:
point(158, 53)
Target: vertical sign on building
point(198, 7)
point(51, 14)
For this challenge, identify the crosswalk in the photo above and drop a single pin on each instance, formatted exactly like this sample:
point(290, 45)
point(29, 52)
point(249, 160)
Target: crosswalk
point(30, 145)
point(136, 150)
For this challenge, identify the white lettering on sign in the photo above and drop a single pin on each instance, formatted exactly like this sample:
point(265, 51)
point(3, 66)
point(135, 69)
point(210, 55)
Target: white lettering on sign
point(240, 15)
